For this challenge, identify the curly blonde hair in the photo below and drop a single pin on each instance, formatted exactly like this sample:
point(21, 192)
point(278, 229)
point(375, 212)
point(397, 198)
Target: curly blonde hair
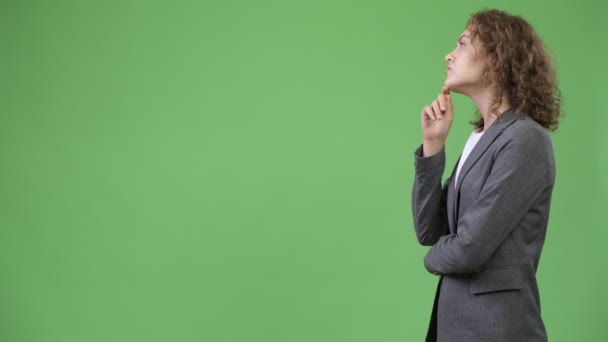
point(518, 65)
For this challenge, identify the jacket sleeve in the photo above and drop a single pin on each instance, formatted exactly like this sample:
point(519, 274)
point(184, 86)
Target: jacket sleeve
point(520, 173)
point(429, 198)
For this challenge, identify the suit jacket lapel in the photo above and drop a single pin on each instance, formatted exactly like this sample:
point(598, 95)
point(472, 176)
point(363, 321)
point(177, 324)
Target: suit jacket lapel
point(493, 132)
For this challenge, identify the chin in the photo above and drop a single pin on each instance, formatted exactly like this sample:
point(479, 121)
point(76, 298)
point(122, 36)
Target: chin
point(449, 83)
point(453, 87)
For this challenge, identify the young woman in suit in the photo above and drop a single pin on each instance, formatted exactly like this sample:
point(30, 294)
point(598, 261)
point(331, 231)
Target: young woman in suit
point(486, 224)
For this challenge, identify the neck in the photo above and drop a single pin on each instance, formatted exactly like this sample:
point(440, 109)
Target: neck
point(483, 100)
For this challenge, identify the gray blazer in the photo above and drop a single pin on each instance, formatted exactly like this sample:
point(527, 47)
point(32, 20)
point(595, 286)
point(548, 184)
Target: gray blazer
point(487, 233)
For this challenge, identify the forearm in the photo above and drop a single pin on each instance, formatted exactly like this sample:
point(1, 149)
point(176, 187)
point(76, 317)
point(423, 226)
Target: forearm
point(432, 147)
point(429, 199)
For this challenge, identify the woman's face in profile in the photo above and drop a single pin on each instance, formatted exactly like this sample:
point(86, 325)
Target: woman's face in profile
point(464, 72)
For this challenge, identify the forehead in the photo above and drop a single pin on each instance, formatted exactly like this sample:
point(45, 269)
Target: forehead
point(465, 34)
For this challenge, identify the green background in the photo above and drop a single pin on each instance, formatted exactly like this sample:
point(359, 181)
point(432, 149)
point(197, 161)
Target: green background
point(242, 170)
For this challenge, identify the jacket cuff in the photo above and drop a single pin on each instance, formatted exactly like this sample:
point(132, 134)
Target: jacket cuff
point(434, 163)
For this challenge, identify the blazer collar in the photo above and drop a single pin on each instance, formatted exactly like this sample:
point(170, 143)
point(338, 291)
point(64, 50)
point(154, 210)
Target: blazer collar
point(496, 128)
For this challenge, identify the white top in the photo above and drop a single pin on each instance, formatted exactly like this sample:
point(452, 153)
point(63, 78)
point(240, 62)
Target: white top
point(471, 142)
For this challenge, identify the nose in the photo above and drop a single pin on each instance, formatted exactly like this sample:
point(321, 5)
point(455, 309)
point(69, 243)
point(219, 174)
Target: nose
point(449, 57)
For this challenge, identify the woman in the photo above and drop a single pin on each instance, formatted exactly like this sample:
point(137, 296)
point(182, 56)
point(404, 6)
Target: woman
point(486, 225)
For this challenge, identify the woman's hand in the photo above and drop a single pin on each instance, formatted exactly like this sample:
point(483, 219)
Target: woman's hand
point(436, 122)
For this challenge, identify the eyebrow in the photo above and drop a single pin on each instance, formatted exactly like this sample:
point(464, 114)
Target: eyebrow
point(464, 36)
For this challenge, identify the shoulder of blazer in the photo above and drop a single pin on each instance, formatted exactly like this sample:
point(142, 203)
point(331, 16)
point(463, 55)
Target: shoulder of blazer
point(525, 129)
point(525, 134)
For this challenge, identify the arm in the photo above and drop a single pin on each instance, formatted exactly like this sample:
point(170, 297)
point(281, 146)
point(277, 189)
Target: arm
point(429, 198)
point(519, 175)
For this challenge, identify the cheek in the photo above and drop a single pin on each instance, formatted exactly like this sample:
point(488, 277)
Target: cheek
point(477, 70)
point(472, 66)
